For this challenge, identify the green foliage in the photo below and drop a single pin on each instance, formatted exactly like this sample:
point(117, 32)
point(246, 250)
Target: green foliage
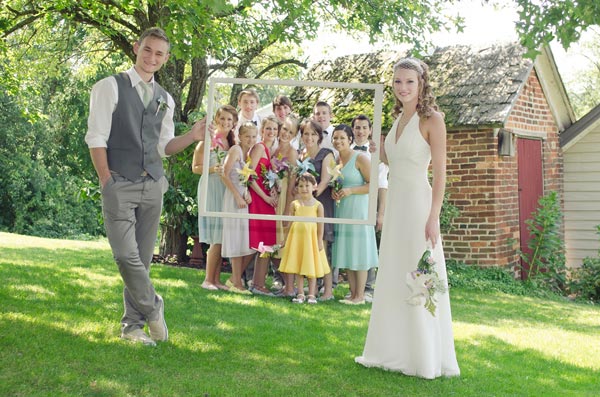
point(546, 261)
point(488, 279)
point(541, 22)
point(184, 211)
point(448, 213)
point(585, 280)
point(41, 165)
point(181, 198)
point(582, 86)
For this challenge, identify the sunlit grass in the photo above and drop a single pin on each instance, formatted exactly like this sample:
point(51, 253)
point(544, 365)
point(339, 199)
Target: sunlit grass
point(59, 335)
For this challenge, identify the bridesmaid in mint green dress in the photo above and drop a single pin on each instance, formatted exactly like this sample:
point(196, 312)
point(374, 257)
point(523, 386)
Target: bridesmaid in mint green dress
point(354, 246)
point(210, 229)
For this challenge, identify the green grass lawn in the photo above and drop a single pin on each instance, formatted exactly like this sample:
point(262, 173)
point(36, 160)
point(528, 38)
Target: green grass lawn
point(60, 306)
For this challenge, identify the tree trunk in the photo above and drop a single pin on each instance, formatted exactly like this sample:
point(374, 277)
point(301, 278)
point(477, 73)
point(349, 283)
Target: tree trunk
point(173, 242)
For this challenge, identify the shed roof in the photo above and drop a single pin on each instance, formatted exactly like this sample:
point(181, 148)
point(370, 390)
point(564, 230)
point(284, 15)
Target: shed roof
point(474, 86)
point(582, 127)
point(477, 87)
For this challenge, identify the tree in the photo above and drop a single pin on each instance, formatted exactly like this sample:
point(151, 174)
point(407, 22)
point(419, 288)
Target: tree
point(209, 37)
point(541, 22)
point(582, 86)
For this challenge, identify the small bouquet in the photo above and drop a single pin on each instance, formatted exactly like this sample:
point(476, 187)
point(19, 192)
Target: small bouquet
point(267, 251)
point(270, 178)
point(335, 170)
point(302, 167)
point(424, 283)
point(247, 174)
point(216, 145)
point(280, 166)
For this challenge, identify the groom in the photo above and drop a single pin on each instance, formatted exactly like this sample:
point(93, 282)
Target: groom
point(130, 130)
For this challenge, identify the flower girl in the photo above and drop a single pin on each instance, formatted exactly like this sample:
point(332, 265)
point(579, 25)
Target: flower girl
point(303, 253)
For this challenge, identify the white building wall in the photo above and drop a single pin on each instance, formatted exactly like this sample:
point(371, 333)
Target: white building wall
point(582, 197)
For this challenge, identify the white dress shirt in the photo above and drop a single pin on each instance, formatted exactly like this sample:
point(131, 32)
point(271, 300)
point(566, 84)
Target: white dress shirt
point(327, 143)
point(382, 170)
point(256, 119)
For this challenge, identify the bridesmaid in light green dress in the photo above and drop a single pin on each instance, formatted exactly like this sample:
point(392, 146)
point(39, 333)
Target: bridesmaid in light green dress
point(354, 246)
point(210, 229)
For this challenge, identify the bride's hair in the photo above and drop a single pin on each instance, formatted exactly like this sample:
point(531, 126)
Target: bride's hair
point(426, 102)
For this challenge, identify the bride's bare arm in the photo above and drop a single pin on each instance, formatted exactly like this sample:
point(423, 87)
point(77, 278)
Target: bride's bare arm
point(436, 136)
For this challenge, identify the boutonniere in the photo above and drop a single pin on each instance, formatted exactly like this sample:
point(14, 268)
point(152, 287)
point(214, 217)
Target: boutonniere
point(162, 105)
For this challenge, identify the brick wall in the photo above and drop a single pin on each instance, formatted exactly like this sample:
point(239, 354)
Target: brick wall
point(483, 185)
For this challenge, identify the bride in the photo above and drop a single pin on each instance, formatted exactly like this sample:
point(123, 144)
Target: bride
point(403, 334)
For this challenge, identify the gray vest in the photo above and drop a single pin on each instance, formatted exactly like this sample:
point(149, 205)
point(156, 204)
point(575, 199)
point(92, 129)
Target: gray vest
point(132, 144)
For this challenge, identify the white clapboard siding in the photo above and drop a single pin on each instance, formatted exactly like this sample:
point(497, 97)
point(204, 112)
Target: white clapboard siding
point(576, 197)
point(581, 176)
point(582, 198)
point(590, 147)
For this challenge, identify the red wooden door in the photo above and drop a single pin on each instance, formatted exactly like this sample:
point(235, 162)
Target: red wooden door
point(531, 188)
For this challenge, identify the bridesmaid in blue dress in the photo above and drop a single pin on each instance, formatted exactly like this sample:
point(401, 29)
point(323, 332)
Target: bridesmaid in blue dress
point(354, 246)
point(210, 229)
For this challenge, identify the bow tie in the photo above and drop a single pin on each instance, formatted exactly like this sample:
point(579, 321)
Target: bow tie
point(364, 148)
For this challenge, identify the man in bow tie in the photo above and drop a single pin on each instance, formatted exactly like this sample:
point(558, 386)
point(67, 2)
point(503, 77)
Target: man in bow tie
point(248, 102)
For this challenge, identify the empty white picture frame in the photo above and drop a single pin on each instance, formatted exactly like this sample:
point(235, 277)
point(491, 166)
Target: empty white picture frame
point(216, 83)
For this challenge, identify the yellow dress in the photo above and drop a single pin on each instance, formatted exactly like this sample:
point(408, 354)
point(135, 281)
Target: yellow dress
point(301, 253)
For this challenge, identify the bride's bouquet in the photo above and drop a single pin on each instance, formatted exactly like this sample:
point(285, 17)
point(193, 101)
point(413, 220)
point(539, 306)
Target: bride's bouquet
point(424, 283)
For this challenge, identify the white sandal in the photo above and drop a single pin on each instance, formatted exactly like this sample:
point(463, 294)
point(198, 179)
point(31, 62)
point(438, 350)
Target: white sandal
point(300, 298)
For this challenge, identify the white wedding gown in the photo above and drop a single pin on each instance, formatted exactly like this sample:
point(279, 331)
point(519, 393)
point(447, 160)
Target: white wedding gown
point(404, 337)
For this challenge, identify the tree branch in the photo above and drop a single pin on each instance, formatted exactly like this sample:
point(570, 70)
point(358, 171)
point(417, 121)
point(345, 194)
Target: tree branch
point(33, 16)
point(280, 63)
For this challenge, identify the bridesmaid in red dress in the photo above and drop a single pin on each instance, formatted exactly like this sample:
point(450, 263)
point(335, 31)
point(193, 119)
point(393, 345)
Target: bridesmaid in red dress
point(264, 201)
